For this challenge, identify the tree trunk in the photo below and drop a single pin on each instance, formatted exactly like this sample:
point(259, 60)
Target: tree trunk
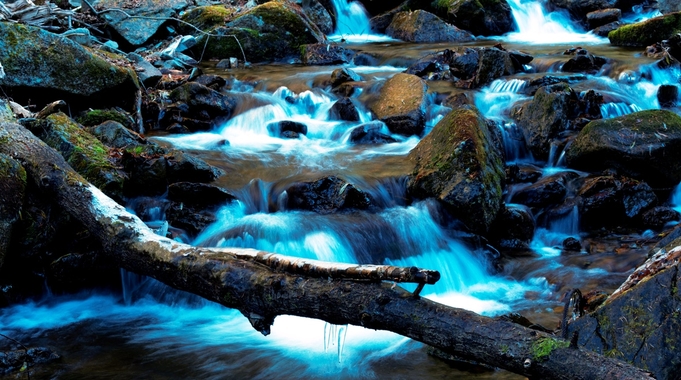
point(261, 290)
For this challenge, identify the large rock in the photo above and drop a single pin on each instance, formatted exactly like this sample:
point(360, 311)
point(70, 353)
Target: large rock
point(640, 323)
point(645, 145)
point(580, 8)
point(513, 229)
point(668, 6)
point(422, 26)
point(401, 104)
point(206, 17)
point(326, 195)
point(148, 17)
point(483, 18)
point(647, 32)
point(460, 164)
point(325, 54)
point(319, 15)
point(44, 67)
point(87, 155)
point(602, 17)
point(12, 189)
point(269, 32)
point(196, 107)
point(547, 191)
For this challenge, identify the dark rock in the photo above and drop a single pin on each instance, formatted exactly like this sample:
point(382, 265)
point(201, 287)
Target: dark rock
point(147, 172)
point(192, 220)
point(459, 164)
point(93, 117)
point(668, 6)
point(381, 22)
point(647, 32)
point(40, 66)
point(645, 145)
point(327, 195)
point(177, 128)
point(584, 62)
point(113, 134)
point(658, 217)
point(580, 8)
point(548, 190)
point(325, 54)
point(371, 134)
point(280, 128)
point(201, 98)
point(12, 191)
point(401, 104)
point(521, 173)
point(146, 72)
point(214, 82)
point(603, 31)
point(513, 229)
point(319, 16)
point(603, 17)
point(457, 100)
point(608, 200)
point(667, 95)
point(482, 18)
point(344, 109)
point(547, 80)
point(423, 26)
point(343, 75)
point(186, 168)
point(572, 245)
point(206, 17)
point(494, 63)
point(13, 361)
point(199, 194)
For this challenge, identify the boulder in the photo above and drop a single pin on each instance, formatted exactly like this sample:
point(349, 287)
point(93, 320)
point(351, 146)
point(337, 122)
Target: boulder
point(326, 195)
point(657, 217)
point(146, 72)
point(344, 109)
point(494, 63)
point(113, 134)
point(603, 17)
point(604, 31)
point(580, 8)
point(668, 95)
point(44, 67)
point(371, 133)
point(12, 191)
point(319, 16)
point(480, 17)
point(287, 129)
point(137, 31)
point(343, 75)
point(401, 104)
point(668, 6)
point(423, 26)
point(584, 62)
point(547, 191)
point(609, 200)
point(87, 155)
point(513, 229)
point(647, 32)
point(644, 145)
point(93, 117)
point(206, 17)
point(199, 194)
point(197, 107)
point(639, 323)
point(459, 164)
point(269, 32)
point(325, 54)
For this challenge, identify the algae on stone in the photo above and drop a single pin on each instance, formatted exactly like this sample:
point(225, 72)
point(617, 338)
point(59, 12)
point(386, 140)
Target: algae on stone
point(647, 32)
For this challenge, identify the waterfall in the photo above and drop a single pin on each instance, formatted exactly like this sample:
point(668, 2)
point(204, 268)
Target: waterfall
point(535, 26)
point(352, 23)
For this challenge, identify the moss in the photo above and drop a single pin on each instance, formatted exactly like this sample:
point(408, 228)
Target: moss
point(647, 32)
point(542, 348)
point(207, 17)
point(95, 117)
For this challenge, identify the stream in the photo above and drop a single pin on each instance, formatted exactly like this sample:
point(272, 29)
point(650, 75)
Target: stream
point(148, 330)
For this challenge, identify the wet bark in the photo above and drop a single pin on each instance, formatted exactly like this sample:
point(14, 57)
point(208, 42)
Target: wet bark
point(261, 291)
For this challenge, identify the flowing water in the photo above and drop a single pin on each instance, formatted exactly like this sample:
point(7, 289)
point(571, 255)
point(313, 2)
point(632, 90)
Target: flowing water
point(151, 331)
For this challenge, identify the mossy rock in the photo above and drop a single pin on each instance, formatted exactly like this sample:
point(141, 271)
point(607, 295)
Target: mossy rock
point(423, 26)
point(644, 145)
point(207, 17)
point(459, 164)
point(91, 118)
point(647, 32)
point(6, 113)
point(401, 104)
point(480, 17)
point(268, 32)
point(86, 155)
point(44, 67)
point(12, 191)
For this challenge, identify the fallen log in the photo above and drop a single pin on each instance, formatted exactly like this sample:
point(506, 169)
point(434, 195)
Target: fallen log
point(234, 278)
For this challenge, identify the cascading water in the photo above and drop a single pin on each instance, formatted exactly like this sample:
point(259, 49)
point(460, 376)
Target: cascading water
point(352, 23)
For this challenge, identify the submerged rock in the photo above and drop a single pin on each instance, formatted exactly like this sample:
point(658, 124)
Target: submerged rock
point(459, 164)
point(483, 18)
point(401, 104)
point(647, 32)
point(645, 145)
point(344, 109)
point(287, 129)
point(513, 229)
point(326, 195)
point(371, 133)
point(44, 67)
point(423, 26)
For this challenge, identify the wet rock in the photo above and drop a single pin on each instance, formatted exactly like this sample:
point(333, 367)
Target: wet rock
point(12, 191)
point(183, 167)
point(214, 82)
point(548, 190)
point(667, 95)
point(113, 134)
point(6, 114)
point(494, 63)
point(459, 164)
point(603, 31)
point(482, 18)
point(668, 6)
point(326, 195)
point(580, 8)
point(93, 117)
point(608, 200)
point(206, 17)
point(318, 14)
point(457, 100)
point(86, 155)
point(647, 32)
point(571, 245)
point(13, 361)
point(343, 75)
point(602, 17)
point(522, 173)
point(325, 54)
point(513, 228)
point(381, 22)
point(344, 109)
point(535, 84)
point(192, 220)
point(639, 323)
point(371, 134)
point(584, 62)
point(39, 66)
point(401, 104)
point(146, 72)
point(644, 145)
point(287, 128)
point(197, 107)
point(268, 32)
point(199, 194)
point(423, 26)
point(658, 217)
point(137, 31)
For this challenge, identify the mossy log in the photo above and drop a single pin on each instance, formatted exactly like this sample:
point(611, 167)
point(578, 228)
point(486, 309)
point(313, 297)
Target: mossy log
point(262, 293)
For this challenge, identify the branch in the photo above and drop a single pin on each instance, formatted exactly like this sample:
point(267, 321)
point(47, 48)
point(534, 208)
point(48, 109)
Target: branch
point(261, 293)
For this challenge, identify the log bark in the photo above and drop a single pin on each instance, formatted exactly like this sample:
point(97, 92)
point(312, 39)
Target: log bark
point(232, 277)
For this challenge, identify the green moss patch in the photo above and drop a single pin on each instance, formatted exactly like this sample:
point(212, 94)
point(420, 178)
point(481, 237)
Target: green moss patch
point(542, 348)
point(647, 32)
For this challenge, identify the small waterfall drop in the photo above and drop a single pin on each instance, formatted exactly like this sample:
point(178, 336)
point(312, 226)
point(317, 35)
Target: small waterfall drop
point(352, 23)
point(535, 26)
